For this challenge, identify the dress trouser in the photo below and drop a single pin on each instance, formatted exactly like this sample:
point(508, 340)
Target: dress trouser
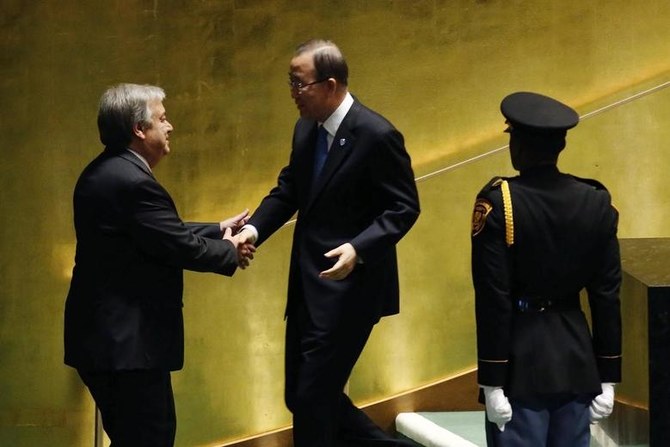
point(551, 421)
point(137, 407)
point(318, 364)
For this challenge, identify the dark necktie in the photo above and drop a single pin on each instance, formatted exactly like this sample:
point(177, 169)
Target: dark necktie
point(321, 151)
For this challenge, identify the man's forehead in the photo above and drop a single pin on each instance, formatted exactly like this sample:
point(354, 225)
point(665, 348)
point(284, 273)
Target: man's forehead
point(302, 63)
point(157, 107)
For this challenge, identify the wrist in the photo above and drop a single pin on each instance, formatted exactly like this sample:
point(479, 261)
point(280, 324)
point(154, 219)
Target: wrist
point(250, 233)
point(490, 388)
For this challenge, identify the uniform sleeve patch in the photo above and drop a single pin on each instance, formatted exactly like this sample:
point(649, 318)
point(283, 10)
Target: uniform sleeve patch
point(482, 209)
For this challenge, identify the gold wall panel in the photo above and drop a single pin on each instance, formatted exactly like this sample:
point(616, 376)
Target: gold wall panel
point(436, 68)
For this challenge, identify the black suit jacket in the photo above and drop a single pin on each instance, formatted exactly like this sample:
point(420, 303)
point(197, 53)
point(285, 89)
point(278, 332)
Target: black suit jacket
point(124, 307)
point(565, 240)
point(365, 195)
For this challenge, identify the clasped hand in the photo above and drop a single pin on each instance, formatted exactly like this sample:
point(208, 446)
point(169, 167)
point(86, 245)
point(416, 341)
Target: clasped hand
point(245, 248)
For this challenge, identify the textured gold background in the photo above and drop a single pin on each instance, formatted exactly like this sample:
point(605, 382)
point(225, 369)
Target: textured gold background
point(436, 68)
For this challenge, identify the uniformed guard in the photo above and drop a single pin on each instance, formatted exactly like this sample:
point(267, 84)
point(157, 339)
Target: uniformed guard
point(538, 240)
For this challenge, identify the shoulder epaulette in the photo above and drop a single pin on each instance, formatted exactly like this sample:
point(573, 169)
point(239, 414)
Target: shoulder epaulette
point(493, 184)
point(589, 181)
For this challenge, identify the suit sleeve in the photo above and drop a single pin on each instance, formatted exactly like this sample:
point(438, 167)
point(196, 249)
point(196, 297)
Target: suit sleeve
point(603, 293)
point(278, 206)
point(397, 195)
point(155, 225)
point(491, 280)
point(208, 230)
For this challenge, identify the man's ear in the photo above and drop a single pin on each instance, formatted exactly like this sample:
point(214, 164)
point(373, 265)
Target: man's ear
point(138, 131)
point(332, 84)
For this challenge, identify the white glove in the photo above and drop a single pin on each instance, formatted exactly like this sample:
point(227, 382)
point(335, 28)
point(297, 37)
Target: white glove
point(498, 408)
point(603, 404)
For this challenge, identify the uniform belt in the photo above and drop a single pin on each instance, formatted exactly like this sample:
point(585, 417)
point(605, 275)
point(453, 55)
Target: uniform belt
point(543, 304)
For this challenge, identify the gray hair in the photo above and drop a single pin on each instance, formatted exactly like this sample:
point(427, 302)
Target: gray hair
point(123, 106)
point(328, 59)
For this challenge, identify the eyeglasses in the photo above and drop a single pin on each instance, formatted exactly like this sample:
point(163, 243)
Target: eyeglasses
point(296, 84)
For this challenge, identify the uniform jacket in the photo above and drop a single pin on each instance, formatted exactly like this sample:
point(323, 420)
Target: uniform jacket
point(565, 240)
point(365, 195)
point(124, 307)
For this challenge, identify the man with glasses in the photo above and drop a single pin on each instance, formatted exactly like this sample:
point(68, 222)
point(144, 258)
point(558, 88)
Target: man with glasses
point(350, 180)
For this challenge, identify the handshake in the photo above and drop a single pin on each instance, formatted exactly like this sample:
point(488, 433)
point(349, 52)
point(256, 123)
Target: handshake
point(242, 240)
point(344, 257)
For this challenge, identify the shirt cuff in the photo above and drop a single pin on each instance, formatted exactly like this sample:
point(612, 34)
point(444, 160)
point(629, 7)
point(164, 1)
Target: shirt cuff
point(253, 230)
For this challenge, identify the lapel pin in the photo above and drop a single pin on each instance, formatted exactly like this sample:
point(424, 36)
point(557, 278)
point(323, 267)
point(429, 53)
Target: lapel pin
point(342, 141)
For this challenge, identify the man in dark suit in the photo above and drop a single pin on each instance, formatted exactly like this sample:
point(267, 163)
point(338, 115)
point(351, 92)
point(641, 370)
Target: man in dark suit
point(123, 315)
point(350, 180)
point(538, 239)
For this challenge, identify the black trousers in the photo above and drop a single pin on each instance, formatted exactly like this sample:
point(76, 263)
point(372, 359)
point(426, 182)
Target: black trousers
point(137, 407)
point(318, 364)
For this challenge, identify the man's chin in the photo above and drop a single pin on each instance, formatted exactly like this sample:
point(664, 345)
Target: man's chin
point(307, 116)
point(303, 113)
